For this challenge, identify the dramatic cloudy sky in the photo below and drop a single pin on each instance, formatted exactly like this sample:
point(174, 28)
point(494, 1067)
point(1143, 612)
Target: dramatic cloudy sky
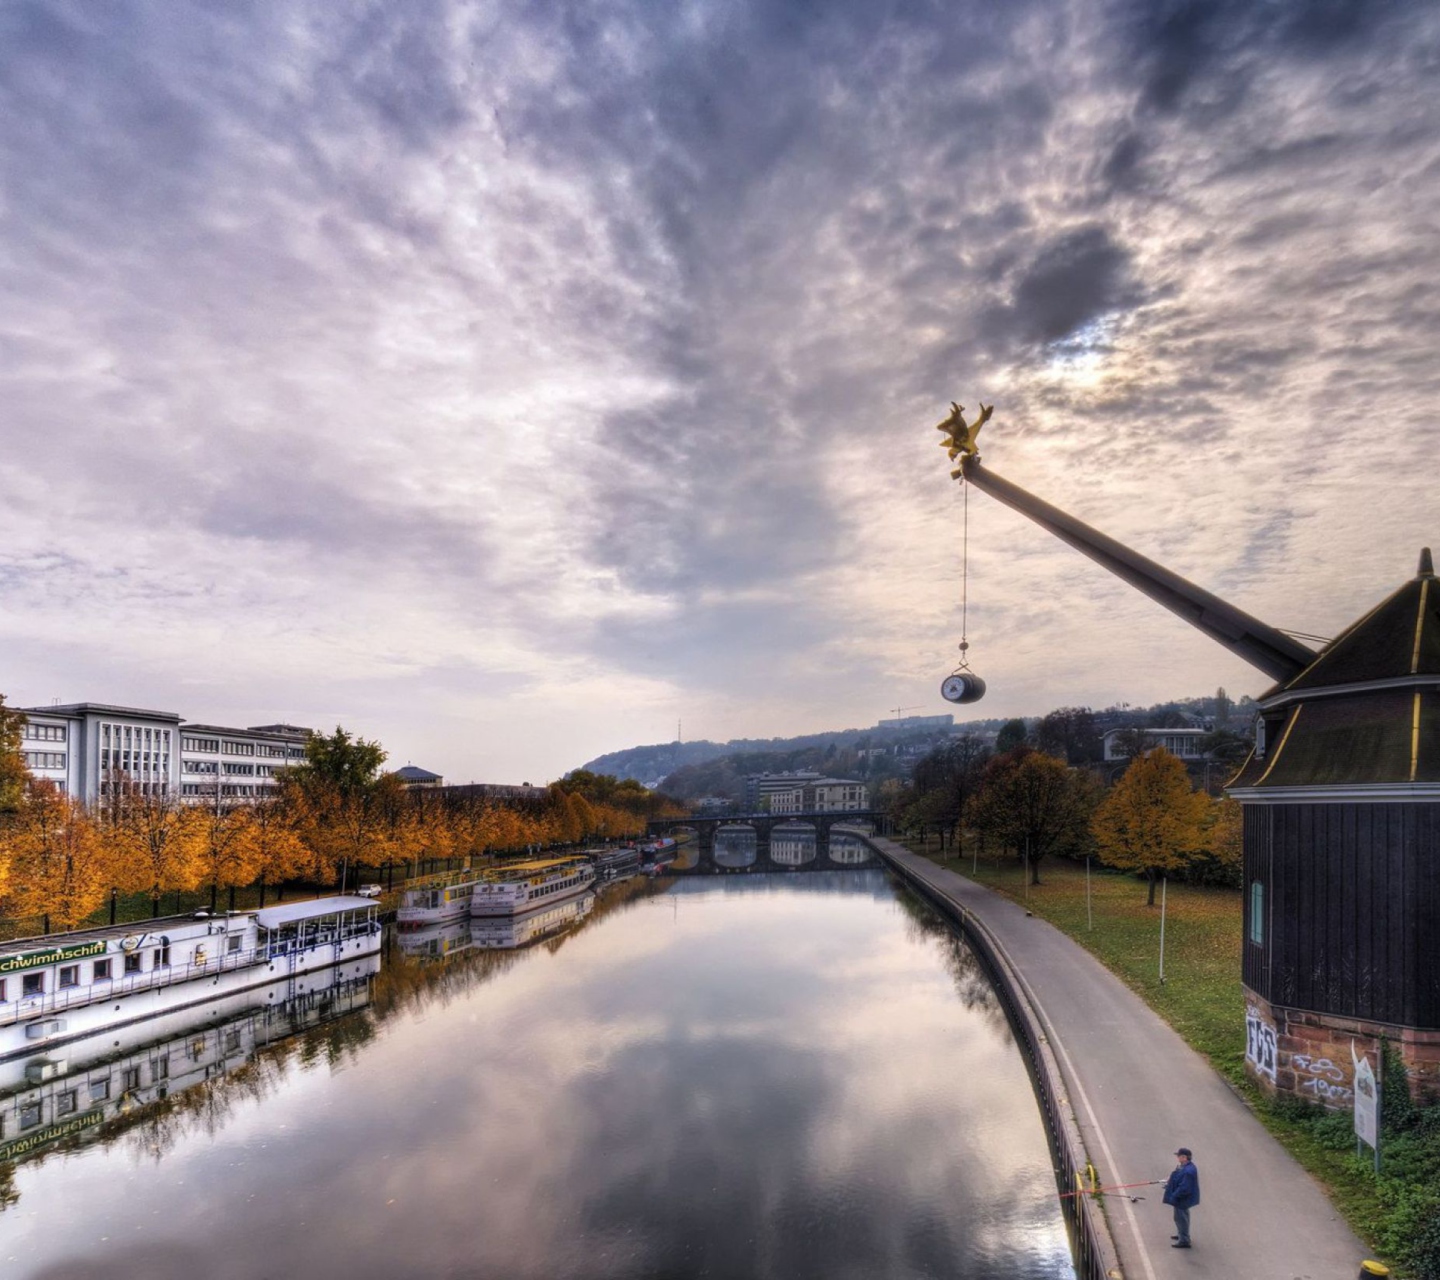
point(508, 381)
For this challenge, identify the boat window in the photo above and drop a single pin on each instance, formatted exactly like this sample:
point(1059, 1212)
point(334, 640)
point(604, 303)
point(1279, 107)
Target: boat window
point(133, 962)
point(30, 1115)
point(69, 975)
point(33, 984)
point(67, 1103)
point(132, 1078)
point(99, 1089)
point(3, 996)
point(102, 971)
point(234, 943)
point(160, 1069)
point(162, 955)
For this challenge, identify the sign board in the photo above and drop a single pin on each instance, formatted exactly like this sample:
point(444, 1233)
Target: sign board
point(1367, 1100)
point(56, 955)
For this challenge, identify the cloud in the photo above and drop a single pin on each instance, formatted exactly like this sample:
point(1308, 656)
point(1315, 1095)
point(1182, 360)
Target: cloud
point(510, 338)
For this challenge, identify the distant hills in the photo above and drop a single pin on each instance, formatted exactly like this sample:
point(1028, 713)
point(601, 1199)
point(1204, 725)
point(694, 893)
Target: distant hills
point(689, 770)
point(680, 768)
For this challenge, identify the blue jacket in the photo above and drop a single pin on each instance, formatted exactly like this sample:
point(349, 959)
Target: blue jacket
point(1183, 1187)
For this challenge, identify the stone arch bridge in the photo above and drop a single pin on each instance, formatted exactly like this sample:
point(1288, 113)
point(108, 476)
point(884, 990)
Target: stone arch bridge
point(764, 825)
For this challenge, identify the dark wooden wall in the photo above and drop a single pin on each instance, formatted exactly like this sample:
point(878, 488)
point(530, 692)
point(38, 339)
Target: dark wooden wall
point(1352, 900)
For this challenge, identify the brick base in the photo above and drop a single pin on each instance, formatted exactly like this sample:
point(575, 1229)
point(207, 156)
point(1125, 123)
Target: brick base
point(1307, 1055)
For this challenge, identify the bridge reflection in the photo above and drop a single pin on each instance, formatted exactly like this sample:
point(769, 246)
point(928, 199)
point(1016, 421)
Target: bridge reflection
point(780, 847)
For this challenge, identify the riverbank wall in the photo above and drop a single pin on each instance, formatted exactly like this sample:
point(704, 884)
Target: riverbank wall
point(1092, 1243)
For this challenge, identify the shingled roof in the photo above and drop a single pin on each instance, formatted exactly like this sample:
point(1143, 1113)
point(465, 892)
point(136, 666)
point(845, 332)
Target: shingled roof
point(1367, 710)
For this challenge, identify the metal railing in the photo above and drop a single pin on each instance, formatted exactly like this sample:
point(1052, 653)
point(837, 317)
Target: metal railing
point(166, 975)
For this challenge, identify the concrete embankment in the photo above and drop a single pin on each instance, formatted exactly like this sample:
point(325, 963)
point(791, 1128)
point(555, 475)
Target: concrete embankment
point(1131, 1091)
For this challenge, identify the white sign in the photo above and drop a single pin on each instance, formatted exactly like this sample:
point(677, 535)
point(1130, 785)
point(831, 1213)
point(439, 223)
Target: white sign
point(1367, 1100)
point(1259, 1043)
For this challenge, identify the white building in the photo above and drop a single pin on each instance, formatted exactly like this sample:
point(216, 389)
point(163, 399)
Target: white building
point(81, 746)
point(822, 795)
point(1184, 743)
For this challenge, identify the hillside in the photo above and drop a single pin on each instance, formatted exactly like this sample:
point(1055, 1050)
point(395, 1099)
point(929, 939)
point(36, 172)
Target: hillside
point(690, 770)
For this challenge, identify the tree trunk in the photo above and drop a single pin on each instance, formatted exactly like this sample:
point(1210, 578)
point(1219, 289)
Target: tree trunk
point(1150, 877)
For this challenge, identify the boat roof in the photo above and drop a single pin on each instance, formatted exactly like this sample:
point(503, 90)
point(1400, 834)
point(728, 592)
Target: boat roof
point(542, 864)
point(274, 917)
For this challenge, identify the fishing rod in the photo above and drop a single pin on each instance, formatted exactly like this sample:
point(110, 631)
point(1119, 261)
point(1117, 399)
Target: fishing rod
point(1118, 1186)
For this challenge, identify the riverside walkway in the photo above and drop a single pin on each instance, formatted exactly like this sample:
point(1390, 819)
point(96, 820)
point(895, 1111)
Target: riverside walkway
point(1138, 1092)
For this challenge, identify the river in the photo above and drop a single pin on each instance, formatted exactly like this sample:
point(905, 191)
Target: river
point(785, 1075)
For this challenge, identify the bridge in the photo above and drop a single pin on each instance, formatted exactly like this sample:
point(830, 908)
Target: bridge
point(769, 857)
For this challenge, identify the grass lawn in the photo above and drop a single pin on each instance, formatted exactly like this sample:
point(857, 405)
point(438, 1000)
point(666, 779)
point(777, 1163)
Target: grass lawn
point(1201, 996)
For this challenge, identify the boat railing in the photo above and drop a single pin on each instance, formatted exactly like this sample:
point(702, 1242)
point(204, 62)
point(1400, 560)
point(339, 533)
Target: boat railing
point(166, 975)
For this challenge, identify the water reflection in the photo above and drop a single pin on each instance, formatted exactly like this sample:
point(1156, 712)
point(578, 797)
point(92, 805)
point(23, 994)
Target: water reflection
point(766, 1076)
point(735, 847)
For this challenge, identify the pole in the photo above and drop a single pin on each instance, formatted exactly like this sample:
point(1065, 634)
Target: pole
point(1089, 913)
point(1164, 883)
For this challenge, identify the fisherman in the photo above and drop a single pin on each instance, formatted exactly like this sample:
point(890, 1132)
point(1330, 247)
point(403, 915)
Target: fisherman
point(1182, 1193)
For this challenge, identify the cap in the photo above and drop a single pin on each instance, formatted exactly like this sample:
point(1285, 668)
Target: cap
point(1183, 1151)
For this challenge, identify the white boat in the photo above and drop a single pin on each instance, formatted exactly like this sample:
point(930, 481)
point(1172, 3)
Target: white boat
point(108, 1075)
point(528, 885)
point(59, 989)
point(437, 899)
point(436, 941)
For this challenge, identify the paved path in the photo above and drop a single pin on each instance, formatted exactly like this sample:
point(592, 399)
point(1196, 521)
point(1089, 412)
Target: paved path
point(1139, 1092)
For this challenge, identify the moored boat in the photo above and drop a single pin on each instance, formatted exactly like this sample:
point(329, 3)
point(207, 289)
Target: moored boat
point(59, 989)
point(437, 899)
point(504, 933)
point(528, 885)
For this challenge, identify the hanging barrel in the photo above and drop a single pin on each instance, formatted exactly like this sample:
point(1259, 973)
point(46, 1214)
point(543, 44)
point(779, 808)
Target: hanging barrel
point(963, 686)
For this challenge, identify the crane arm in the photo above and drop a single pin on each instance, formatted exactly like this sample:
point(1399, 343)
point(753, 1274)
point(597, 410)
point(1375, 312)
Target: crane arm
point(1272, 651)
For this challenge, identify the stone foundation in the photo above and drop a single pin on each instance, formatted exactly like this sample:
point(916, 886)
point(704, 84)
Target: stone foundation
point(1307, 1055)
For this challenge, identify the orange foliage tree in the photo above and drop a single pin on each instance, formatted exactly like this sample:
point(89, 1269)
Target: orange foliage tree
point(61, 867)
point(157, 839)
point(1153, 820)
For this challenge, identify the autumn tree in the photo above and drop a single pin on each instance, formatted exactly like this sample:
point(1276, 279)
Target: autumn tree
point(280, 853)
point(1034, 804)
point(1153, 820)
point(13, 774)
point(60, 867)
point(229, 854)
point(158, 841)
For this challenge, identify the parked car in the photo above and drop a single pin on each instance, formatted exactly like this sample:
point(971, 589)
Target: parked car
point(369, 890)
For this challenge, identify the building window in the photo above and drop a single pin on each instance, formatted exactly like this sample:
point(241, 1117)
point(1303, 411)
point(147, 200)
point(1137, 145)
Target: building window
point(1257, 913)
point(45, 732)
point(102, 971)
point(32, 984)
point(239, 748)
point(69, 975)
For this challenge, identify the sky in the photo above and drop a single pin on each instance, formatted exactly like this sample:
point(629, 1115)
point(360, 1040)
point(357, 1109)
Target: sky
point(514, 383)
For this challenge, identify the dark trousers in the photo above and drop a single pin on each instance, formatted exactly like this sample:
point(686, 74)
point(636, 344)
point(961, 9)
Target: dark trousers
point(1182, 1223)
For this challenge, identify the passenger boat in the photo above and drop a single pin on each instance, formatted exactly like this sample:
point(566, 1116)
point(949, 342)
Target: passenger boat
point(527, 885)
point(110, 1075)
point(504, 933)
point(616, 864)
point(437, 899)
point(59, 989)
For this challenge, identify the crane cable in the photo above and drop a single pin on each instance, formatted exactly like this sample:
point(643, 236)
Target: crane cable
point(964, 573)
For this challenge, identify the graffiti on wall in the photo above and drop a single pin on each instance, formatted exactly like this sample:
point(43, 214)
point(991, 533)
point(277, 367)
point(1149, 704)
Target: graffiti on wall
point(1259, 1043)
point(1321, 1078)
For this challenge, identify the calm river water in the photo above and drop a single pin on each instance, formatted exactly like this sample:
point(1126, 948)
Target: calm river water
point(784, 1075)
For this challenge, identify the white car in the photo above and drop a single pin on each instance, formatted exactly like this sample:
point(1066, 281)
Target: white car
point(369, 890)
